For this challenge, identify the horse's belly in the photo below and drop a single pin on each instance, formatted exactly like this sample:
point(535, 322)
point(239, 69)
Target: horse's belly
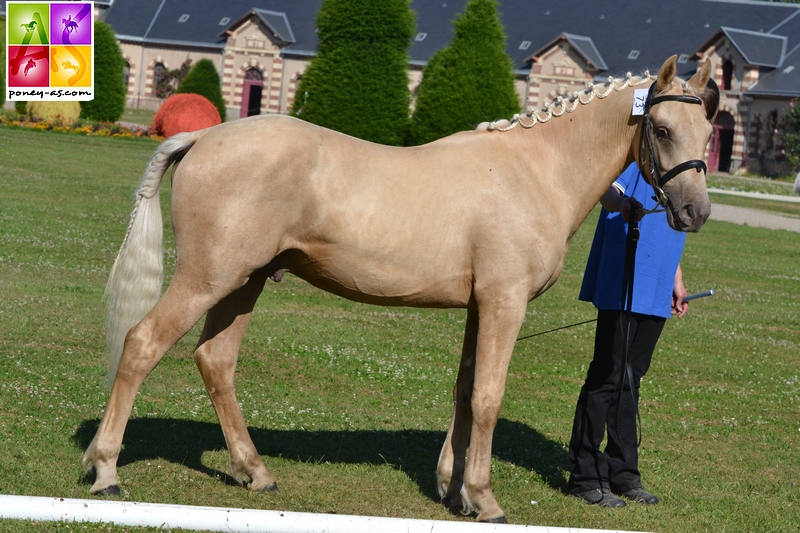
point(370, 279)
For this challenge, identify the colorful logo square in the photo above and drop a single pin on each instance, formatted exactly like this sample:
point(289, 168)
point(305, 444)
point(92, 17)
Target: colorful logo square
point(28, 23)
point(49, 50)
point(70, 66)
point(29, 66)
point(71, 23)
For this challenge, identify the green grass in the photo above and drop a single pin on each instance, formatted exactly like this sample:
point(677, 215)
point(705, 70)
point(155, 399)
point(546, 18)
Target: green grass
point(348, 403)
point(138, 116)
point(780, 187)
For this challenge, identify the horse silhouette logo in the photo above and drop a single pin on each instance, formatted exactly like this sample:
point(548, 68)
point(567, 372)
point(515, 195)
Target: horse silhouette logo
point(31, 64)
point(67, 65)
point(69, 24)
point(29, 26)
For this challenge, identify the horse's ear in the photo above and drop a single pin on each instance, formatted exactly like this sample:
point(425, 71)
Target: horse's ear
point(701, 77)
point(666, 73)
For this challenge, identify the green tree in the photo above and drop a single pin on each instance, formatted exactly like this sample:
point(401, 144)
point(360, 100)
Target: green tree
point(109, 80)
point(203, 79)
point(358, 82)
point(468, 82)
point(791, 135)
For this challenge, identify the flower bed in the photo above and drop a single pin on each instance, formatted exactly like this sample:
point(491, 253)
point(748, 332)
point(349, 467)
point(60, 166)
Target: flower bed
point(80, 126)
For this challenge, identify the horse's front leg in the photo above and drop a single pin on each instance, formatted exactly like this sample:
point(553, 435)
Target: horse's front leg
point(499, 325)
point(452, 459)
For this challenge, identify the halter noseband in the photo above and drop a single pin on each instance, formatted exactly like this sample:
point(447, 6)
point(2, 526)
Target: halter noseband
point(658, 178)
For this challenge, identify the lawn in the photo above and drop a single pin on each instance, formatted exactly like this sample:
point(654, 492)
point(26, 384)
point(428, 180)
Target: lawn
point(138, 116)
point(348, 403)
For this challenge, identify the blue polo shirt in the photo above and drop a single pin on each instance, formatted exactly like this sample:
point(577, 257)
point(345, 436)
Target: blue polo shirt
point(657, 255)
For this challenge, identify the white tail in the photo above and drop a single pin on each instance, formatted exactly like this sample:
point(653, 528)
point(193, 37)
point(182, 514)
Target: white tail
point(134, 285)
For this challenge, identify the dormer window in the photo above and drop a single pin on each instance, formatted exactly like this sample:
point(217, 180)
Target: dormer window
point(727, 75)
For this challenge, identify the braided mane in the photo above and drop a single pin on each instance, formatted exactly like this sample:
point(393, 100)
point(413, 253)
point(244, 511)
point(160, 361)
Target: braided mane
point(568, 105)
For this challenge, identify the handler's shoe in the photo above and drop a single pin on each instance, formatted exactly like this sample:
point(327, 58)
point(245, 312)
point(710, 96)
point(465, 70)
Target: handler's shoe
point(601, 497)
point(642, 496)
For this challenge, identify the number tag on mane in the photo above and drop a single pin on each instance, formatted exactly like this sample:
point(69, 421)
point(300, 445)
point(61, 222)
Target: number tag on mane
point(639, 98)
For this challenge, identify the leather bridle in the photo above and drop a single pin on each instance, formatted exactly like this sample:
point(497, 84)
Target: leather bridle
point(658, 178)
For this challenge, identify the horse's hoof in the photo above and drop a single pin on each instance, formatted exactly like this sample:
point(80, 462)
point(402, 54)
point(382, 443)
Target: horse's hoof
point(496, 520)
point(270, 488)
point(111, 490)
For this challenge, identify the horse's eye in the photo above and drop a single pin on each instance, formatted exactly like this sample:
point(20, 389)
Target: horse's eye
point(662, 134)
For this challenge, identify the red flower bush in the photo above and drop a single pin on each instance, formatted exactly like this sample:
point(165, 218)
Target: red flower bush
point(184, 112)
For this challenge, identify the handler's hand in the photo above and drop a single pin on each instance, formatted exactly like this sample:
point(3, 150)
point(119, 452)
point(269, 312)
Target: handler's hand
point(632, 205)
point(679, 307)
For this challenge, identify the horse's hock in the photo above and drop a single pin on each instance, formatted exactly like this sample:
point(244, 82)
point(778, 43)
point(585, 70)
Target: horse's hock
point(184, 113)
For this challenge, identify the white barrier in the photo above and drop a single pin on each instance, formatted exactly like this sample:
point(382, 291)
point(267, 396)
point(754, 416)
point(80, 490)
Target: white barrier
point(239, 520)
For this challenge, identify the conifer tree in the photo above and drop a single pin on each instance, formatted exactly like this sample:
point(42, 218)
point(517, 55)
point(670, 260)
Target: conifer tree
point(468, 82)
point(358, 82)
point(203, 79)
point(109, 79)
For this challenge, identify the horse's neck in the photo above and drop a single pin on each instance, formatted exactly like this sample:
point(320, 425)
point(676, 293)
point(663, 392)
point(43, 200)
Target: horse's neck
point(591, 146)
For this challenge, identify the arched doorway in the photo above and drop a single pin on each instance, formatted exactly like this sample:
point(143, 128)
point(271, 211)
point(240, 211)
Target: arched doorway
point(721, 145)
point(252, 89)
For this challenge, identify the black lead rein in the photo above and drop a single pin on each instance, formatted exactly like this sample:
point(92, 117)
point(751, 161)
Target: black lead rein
point(626, 306)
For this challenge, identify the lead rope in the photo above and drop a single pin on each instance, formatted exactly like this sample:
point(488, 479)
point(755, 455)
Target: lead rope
point(626, 306)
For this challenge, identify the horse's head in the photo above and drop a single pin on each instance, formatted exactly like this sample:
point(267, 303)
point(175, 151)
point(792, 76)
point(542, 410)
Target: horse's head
point(675, 131)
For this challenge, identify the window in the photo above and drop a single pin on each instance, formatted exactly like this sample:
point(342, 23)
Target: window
point(727, 74)
point(224, 21)
point(126, 73)
point(524, 45)
point(420, 36)
point(634, 54)
point(183, 18)
point(253, 74)
point(159, 74)
point(683, 58)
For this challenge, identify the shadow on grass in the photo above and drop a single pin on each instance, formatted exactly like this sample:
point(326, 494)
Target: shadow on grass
point(413, 452)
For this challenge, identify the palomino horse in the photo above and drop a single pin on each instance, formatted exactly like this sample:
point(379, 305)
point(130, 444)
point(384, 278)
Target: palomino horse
point(479, 220)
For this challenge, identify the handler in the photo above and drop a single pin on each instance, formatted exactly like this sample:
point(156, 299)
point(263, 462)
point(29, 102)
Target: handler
point(658, 293)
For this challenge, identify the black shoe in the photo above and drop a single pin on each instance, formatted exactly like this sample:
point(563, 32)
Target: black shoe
point(642, 496)
point(601, 497)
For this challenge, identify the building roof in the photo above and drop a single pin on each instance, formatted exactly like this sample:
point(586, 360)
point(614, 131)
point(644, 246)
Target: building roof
point(582, 44)
point(758, 48)
point(276, 22)
point(616, 36)
point(784, 81)
point(202, 23)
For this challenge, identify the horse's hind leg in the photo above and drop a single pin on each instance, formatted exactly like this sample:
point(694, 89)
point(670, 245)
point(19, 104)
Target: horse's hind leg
point(216, 356)
point(146, 343)
point(452, 459)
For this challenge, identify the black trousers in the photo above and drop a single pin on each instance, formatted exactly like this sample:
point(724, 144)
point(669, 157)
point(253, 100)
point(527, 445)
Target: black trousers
point(604, 405)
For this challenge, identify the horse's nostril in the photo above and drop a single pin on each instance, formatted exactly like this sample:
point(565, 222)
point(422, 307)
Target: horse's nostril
point(688, 211)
